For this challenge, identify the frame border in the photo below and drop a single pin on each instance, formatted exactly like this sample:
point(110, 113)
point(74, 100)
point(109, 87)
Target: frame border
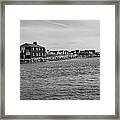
point(60, 2)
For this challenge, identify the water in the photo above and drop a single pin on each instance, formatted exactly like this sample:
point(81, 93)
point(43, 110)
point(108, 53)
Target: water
point(75, 79)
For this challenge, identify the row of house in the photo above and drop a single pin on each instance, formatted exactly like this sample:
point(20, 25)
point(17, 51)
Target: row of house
point(83, 53)
point(32, 52)
point(62, 52)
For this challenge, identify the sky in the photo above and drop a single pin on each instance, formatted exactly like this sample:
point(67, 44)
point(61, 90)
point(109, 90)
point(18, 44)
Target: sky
point(61, 34)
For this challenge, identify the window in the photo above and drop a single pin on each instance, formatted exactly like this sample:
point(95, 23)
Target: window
point(37, 49)
point(27, 50)
point(36, 54)
point(33, 54)
point(33, 49)
point(27, 53)
point(23, 49)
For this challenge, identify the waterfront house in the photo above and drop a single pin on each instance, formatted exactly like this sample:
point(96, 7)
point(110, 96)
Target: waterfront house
point(87, 53)
point(66, 52)
point(31, 52)
point(97, 54)
point(53, 52)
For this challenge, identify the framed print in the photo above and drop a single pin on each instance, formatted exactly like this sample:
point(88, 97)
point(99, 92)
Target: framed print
point(59, 59)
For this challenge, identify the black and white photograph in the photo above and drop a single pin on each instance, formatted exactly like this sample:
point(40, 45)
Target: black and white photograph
point(59, 59)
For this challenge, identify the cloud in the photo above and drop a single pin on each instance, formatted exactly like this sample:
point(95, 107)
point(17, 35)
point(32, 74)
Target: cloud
point(56, 23)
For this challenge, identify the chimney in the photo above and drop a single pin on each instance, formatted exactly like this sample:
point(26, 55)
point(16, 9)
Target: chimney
point(35, 43)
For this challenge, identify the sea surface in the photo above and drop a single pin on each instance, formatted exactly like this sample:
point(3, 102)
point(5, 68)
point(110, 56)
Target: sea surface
point(73, 79)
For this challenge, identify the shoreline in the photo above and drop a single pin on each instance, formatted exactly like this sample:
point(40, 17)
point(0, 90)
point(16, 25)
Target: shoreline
point(53, 60)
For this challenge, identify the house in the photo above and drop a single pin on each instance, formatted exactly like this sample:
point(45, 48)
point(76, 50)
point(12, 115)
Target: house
point(60, 52)
point(74, 52)
point(53, 52)
point(87, 53)
point(97, 54)
point(66, 52)
point(31, 51)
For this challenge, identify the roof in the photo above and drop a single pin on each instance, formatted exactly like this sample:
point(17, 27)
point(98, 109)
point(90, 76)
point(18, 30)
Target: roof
point(31, 45)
